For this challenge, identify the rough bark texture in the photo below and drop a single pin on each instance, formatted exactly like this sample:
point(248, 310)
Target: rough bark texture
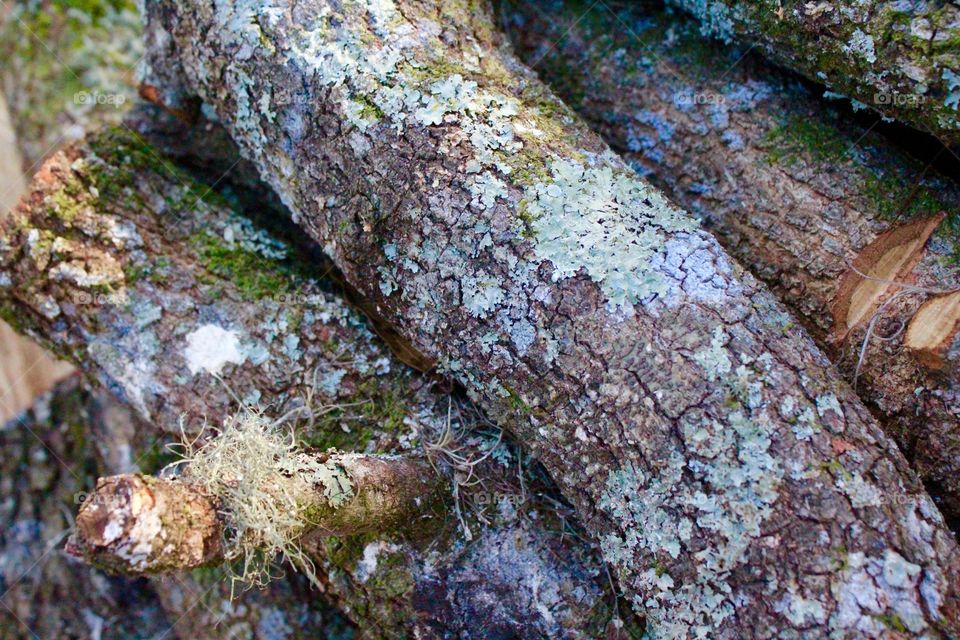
point(739, 489)
point(116, 261)
point(25, 370)
point(899, 58)
point(794, 190)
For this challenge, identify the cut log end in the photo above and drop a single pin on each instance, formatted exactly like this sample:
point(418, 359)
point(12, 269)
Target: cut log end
point(139, 524)
point(933, 329)
point(876, 269)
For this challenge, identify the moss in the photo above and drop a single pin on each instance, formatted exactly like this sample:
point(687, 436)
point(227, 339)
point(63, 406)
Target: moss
point(391, 578)
point(255, 276)
point(893, 622)
point(125, 154)
point(375, 412)
point(810, 138)
point(156, 458)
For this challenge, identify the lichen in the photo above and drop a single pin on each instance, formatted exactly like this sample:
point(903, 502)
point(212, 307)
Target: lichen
point(609, 224)
point(211, 347)
point(265, 487)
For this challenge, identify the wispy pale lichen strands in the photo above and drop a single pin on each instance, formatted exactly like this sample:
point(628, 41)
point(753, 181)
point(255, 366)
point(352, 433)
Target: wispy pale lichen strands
point(900, 58)
point(114, 262)
point(792, 190)
point(714, 451)
point(136, 524)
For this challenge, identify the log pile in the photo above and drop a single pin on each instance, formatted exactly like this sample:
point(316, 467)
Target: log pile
point(654, 343)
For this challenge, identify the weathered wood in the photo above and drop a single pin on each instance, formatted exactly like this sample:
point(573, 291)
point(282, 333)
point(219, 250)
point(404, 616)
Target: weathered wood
point(795, 191)
point(711, 448)
point(901, 59)
point(151, 282)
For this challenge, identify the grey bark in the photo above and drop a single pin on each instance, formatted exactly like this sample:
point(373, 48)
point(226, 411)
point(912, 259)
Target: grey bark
point(150, 281)
point(790, 187)
point(901, 59)
point(737, 486)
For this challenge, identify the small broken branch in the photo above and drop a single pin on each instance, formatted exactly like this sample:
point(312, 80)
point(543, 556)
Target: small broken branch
point(136, 524)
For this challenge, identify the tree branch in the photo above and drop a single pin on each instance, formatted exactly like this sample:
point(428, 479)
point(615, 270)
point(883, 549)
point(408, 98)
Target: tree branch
point(150, 281)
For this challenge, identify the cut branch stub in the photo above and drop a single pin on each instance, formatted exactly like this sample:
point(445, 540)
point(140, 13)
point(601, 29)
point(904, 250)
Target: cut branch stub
point(140, 524)
point(885, 261)
point(933, 328)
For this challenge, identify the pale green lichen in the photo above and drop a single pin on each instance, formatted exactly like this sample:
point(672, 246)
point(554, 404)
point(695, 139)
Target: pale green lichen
point(953, 89)
point(610, 224)
point(726, 485)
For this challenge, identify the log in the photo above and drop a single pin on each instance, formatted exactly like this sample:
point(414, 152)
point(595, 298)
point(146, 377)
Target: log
point(899, 58)
point(801, 195)
point(152, 282)
point(711, 449)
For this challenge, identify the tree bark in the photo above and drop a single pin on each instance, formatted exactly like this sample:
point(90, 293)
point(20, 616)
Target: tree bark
point(900, 59)
point(712, 450)
point(795, 192)
point(150, 282)
point(47, 458)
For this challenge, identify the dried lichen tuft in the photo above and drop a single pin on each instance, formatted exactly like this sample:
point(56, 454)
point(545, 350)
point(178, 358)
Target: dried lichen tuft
point(264, 486)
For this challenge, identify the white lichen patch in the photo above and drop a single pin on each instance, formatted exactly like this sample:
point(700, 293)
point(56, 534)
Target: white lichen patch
point(609, 224)
point(367, 565)
point(862, 44)
point(145, 526)
point(874, 592)
point(210, 348)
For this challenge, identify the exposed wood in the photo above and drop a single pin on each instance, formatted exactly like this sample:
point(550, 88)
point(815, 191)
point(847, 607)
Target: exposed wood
point(932, 330)
point(876, 270)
